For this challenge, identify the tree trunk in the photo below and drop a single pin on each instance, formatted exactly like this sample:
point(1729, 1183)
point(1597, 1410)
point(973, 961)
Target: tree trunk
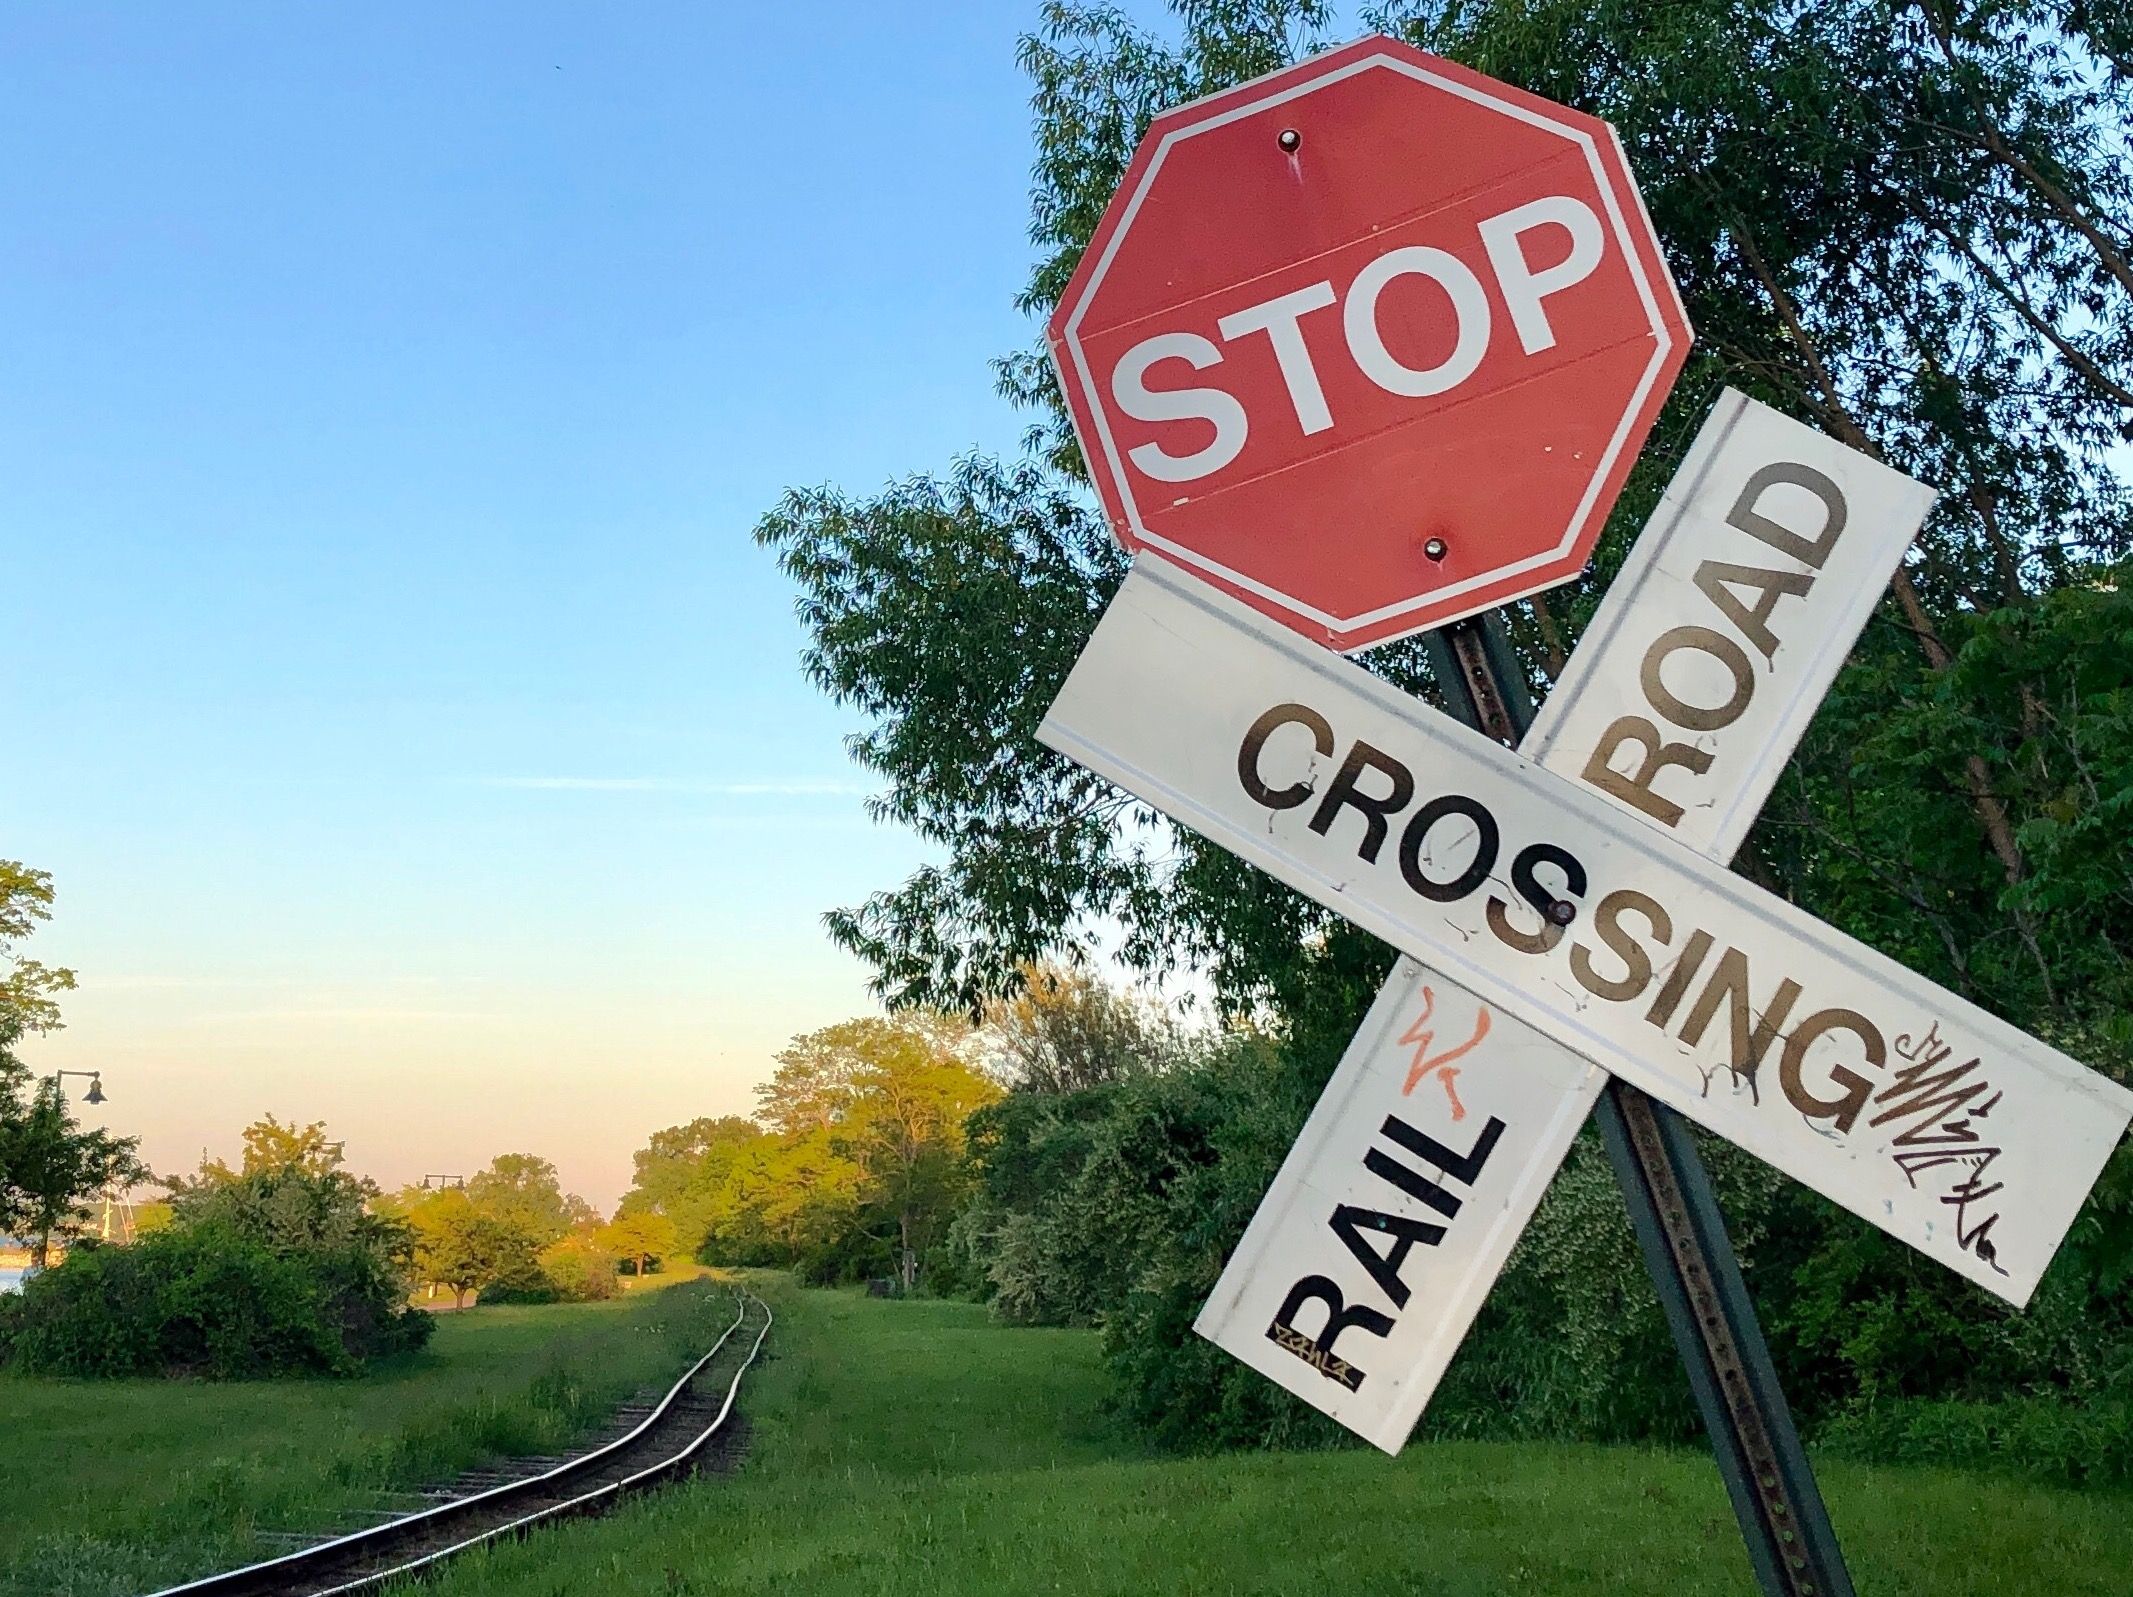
point(1991, 813)
point(1554, 657)
point(2006, 565)
point(908, 1270)
point(1977, 776)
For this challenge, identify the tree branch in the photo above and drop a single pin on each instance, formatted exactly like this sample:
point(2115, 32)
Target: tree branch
point(1993, 142)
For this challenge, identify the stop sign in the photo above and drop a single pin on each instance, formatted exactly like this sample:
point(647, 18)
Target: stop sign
point(1370, 342)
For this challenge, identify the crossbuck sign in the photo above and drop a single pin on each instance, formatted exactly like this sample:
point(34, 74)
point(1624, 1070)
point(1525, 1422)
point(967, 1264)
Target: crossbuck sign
point(1909, 1106)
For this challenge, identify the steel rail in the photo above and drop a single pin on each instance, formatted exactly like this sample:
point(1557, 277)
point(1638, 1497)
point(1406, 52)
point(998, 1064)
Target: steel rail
point(303, 1569)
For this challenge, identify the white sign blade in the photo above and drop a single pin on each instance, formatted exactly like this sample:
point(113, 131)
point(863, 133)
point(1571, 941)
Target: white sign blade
point(1842, 522)
point(1764, 558)
point(1943, 1125)
point(1398, 1204)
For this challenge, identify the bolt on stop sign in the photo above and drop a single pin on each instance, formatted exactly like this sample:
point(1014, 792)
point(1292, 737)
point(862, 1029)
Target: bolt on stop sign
point(1370, 342)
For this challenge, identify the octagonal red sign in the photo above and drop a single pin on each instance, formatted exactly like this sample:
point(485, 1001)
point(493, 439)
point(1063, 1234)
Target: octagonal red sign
point(1370, 342)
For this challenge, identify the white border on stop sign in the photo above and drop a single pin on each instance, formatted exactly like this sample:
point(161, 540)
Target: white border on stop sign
point(1168, 693)
point(1301, 81)
point(1744, 470)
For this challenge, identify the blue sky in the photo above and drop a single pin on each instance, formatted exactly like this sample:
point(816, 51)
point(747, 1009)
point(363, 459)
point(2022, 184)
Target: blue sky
point(411, 725)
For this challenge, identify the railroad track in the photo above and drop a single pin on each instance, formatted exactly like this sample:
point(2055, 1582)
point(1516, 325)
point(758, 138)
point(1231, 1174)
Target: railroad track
point(663, 1446)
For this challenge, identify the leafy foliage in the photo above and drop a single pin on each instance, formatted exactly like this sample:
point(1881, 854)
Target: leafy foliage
point(271, 1145)
point(950, 611)
point(1900, 220)
point(460, 1245)
point(184, 1303)
point(581, 1269)
point(490, 1234)
point(282, 1271)
point(292, 1207)
point(1065, 1028)
point(50, 1167)
point(643, 1237)
point(29, 989)
point(521, 1191)
point(856, 1167)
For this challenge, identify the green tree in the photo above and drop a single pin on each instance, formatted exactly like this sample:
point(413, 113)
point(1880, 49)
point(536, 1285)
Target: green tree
point(284, 1267)
point(641, 1236)
point(666, 1162)
point(692, 1175)
point(855, 1168)
point(292, 1207)
point(29, 989)
point(579, 1269)
point(329, 1223)
point(461, 1246)
point(1065, 1029)
point(805, 1194)
point(890, 1097)
point(51, 1169)
point(271, 1145)
point(522, 1191)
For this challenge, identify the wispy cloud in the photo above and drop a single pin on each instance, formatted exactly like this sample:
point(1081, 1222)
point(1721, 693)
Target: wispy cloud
point(355, 1014)
point(210, 983)
point(793, 787)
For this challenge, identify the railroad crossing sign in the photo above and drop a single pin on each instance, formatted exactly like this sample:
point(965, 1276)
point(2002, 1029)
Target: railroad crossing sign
point(1369, 343)
point(1565, 908)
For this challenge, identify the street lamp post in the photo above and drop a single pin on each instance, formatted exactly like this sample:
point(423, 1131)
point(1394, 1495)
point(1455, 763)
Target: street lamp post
point(95, 1094)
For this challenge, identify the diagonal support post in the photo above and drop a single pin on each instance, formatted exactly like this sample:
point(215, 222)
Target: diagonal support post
point(1674, 1212)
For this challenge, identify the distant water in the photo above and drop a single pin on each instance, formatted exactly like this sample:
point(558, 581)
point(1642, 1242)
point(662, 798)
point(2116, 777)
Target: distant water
point(11, 1278)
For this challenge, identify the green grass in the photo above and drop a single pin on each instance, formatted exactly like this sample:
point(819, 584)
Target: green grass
point(915, 1448)
point(113, 1488)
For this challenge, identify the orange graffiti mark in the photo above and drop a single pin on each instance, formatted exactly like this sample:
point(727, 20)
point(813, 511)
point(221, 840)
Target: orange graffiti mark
point(1422, 1065)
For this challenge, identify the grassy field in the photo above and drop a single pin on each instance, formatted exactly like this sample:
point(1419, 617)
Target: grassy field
point(914, 1448)
point(114, 1488)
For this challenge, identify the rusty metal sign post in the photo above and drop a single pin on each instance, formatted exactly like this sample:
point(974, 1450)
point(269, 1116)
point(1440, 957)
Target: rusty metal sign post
point(1682, 1232)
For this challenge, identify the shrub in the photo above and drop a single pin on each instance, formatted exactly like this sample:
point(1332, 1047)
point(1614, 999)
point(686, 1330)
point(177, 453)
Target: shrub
point(845, 1256)
point(579, 1270)
point(207, 1301)
point(574, 1270)
point(276, 1272)
point(523, 1282)
point(2044, 1439)
point(1117, 1207)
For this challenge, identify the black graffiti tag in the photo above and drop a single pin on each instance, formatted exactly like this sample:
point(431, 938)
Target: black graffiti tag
point(1938, 1105)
